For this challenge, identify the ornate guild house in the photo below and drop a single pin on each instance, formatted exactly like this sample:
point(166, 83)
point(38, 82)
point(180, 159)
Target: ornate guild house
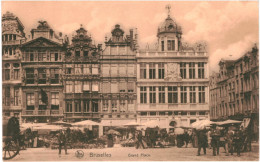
point(48, 78)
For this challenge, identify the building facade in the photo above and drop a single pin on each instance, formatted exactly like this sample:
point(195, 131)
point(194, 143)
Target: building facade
point(234, 91)
point(81, 78)
point(42, 89)
point(118, 78)
point(172, 81)
point(12, 37)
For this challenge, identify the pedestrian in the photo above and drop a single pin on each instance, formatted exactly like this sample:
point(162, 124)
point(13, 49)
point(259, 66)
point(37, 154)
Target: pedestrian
point(110, 140)
point(62, 141)
point(209, 139)
point(237, 141)
point(228, 141)
point(186, 138)
point(215, 140)
point(202, 141)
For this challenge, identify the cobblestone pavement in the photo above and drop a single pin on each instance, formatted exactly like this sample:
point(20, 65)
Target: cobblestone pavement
point(131, 154)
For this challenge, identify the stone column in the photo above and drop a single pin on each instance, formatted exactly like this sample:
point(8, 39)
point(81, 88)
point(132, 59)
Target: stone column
point(179, 94)
point(109, 106)
point(165, 70)
point(147, 71)
point(206, 94)
point(148, 95)
point(188, 94)
point(157, 94)
point(138, 71)
point(197, 94)
point(166, 94)
point(138, 95)
point(118, 106)
point(156, 71)
point(187, 71)
point(196, 70)
point(165, 44)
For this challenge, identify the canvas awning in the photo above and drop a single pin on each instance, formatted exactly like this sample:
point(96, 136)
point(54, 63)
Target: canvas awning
point(115, 122)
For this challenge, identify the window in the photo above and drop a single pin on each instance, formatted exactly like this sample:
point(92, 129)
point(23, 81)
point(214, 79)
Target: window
point(78, 69)
point(31, 56)
point(86, 107)
point(152, 95)
point(122, 69)
point(95, 69)
point(114, 70)
point(114, 87)
point(192, 70)
point(161, 94)
point(7, 96)
point(86, 86)
point(192, 94)
point(114, 105)
point(42, 76)
point(122, 106)
point(54, 76)
point(152, 113)
point(78, 87)
point(68, 69)
point(162, 45)
point(143, 113)
point(241, 68)
point(69, 87)
point(42, 56)
point(42, 105)
point(201, 94)
point(30, 101)
point(77, 104)
point(143, 95)
point(86, 69)
point(151, 71)
point(29, 76)
point(242, 84)
point(130, 102)
point(68, 106)
point(105, 105)
point(122, 87)
point(161, 70)
point(7, 71)
point(201, 70)
point(171, 45)
point(16, 96)
point(77, 53)
point(130, 70)
point(183, 94)
point(85, 53)
point(16, 71)
point(55, 100)
point(95, 87)
point(183, 70)
point(172, 95)
point(143, 71)
point(161, 113)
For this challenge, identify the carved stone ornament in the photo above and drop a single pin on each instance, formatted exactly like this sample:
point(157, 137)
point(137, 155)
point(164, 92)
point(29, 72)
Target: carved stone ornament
point(173, 72)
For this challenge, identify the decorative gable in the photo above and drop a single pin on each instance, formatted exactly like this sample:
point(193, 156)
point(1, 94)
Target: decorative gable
point(41, 42)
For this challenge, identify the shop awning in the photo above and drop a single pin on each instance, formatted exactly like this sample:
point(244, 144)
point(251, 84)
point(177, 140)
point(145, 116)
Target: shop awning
point(115, 122)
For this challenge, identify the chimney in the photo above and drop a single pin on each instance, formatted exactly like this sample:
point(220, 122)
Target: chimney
point(99, 46)
point(60, 34)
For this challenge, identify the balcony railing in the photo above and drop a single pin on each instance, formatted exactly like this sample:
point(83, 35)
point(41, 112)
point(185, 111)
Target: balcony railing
point(42, 112)
point(172, 54)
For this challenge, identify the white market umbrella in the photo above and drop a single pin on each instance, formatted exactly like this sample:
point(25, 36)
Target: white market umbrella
point(85, 123)
point(31, 125)
point(229, 122)
point(178, 131)
point(133, 124)
point(201, 124)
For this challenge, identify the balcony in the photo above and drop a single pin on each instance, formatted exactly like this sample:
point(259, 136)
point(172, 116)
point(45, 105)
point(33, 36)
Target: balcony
point(171, 54)
point(11, 42)
point(42, 113)
point(81, 115)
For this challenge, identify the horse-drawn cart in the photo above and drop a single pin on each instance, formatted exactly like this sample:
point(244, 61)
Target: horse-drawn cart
point(11, 138)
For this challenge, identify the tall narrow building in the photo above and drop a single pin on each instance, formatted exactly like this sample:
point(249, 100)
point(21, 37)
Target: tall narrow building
point(81, 77)
point(42, 89)
point(12, 37)
point(172, 81)
point(118, 79)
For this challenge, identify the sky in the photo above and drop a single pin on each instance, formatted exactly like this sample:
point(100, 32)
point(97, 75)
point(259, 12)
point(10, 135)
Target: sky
point(230, 28)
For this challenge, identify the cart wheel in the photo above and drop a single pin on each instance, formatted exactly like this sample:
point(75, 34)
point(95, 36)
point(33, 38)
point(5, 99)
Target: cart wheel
point(10, 149)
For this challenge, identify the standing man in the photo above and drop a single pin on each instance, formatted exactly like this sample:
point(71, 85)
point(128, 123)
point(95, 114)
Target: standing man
point(62, 141)
point(202, 141)
point(215, 134)
point(228, 141)
point(238, 140)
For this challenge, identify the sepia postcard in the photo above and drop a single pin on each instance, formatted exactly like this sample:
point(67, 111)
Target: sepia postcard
point(130, 80)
